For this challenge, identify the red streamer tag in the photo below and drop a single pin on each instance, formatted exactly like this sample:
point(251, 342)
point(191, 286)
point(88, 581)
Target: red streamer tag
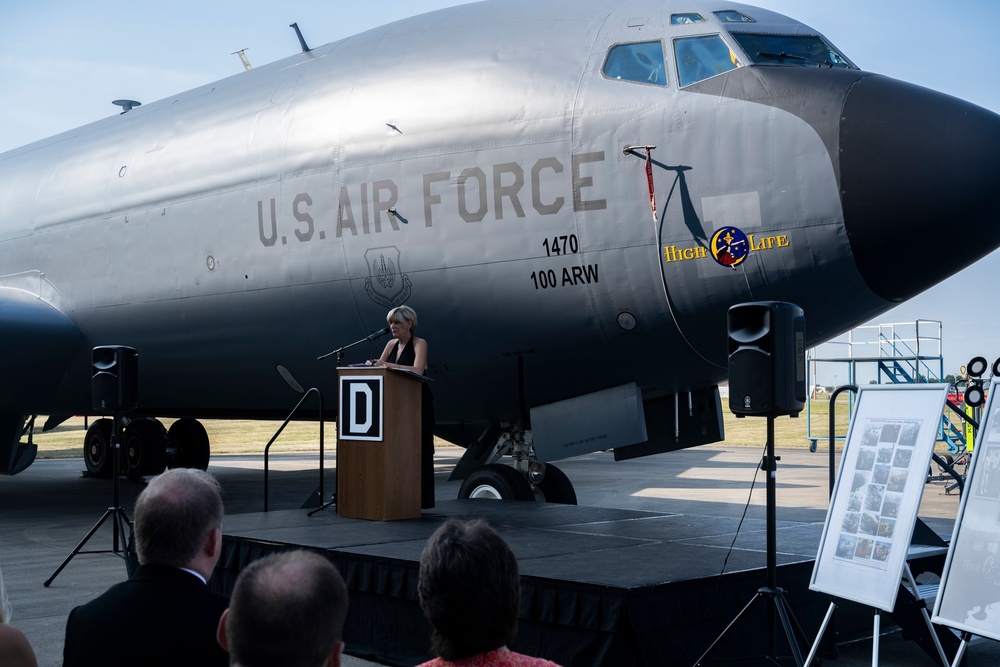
point(649, 179)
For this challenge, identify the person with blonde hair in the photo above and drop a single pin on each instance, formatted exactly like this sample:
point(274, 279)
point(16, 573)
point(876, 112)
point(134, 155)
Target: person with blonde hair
point(407, 352)
point(15, 650)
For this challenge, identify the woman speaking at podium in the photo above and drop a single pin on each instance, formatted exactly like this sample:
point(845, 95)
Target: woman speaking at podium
point(407, 352)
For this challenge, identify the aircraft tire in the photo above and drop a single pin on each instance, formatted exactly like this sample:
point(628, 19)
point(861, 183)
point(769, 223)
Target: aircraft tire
point(556, 487)
point(145, 447)
point(190, 439)
point(948, 459)
point(496, 482)
point(98, 455)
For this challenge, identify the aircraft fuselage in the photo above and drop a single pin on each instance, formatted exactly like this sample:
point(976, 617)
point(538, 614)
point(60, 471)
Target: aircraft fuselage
point(473, 164)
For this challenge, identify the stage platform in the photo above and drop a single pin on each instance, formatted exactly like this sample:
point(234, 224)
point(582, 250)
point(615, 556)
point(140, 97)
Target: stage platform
point(600, 586)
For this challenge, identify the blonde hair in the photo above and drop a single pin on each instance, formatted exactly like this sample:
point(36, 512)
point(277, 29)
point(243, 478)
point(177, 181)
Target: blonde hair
point(402, 314)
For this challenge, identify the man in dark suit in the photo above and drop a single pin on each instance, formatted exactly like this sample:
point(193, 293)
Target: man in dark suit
point(164, 614)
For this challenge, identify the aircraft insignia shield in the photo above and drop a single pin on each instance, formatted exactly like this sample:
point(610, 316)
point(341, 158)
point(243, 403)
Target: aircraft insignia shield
point(386, 284)
point(729, 246)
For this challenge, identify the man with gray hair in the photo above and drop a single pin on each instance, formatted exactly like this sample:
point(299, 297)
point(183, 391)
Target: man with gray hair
point(287, 610)
point(164, 614)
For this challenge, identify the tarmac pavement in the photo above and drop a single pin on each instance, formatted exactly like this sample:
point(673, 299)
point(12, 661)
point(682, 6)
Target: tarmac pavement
point(49, 508)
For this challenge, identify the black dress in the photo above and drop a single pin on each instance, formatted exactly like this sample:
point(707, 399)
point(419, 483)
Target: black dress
point(406, 358)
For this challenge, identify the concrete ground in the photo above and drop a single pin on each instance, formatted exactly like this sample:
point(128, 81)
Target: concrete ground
point(48, 509)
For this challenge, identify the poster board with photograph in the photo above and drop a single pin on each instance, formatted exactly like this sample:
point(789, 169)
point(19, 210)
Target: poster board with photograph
point(875, 500)
point(969, 595)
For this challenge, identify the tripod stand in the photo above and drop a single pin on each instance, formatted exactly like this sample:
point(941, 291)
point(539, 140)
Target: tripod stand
point(116, 512)
point(772, 594)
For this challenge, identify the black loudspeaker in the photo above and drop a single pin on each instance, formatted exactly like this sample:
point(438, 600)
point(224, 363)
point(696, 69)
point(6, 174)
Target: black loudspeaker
point(767, 359)
point(114, 386)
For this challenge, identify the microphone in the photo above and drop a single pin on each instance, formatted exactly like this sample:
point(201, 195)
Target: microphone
point(378, 334)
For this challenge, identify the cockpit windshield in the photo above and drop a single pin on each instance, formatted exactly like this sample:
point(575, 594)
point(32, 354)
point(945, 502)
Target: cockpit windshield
point(701, 57)
point(793, 50)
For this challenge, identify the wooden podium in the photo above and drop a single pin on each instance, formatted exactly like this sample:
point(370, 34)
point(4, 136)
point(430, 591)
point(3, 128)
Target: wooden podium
point(378, 444)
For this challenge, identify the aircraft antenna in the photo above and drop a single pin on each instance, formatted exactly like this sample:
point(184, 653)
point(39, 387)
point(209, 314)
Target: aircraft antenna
point(243, 56)
point(126, 105)
point(298, 33)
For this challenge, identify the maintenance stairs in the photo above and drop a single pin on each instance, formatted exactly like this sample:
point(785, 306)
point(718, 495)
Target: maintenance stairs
point(895, 353)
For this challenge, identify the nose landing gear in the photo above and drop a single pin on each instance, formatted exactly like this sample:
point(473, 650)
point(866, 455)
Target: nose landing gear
point(527, 479)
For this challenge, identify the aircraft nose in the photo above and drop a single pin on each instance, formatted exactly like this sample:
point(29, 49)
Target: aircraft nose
point(919, 175)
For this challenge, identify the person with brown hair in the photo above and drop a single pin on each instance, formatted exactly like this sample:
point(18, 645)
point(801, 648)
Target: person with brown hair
point(470, 591)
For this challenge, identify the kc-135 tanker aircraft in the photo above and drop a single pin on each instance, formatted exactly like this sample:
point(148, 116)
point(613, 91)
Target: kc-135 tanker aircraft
point(570, 193)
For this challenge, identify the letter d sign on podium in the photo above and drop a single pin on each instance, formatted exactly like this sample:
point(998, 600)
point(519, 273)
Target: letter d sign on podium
point(360, 408)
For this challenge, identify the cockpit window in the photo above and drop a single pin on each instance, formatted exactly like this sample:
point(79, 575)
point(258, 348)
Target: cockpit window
point(641, 62)
point(794, 50)
point(686, 19)
point(733, 16)
point(699, 58)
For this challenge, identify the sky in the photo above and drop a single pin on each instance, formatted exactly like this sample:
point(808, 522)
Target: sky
point(63, 61)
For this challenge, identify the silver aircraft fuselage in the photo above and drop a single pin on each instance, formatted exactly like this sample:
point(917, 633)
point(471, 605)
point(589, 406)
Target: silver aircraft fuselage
point(472, 164)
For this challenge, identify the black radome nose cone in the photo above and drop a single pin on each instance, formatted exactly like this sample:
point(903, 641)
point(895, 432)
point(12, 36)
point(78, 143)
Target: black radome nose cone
point(920, 175)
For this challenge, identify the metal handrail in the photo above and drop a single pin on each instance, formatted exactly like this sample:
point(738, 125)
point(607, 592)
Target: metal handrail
point(833, 436)
point(917, 363)
point(267, 447)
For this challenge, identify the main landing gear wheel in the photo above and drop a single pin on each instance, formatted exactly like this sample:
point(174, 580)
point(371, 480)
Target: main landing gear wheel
point(496, 482)
point(556, 487)
point(190, 440)
point(98, 455)
point(144, 445)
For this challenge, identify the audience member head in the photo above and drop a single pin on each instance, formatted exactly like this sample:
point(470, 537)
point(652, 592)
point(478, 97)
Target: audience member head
point(178, 521)
point(286, 609)
point(469, 588)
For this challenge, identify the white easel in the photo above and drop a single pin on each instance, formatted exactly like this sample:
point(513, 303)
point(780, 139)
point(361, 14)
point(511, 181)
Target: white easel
point(888, 449)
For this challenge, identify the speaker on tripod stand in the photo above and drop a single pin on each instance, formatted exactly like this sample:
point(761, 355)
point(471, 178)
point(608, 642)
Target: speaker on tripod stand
point(767, 378)
point(767, 368)
point(113, 389)
point(114, 384)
